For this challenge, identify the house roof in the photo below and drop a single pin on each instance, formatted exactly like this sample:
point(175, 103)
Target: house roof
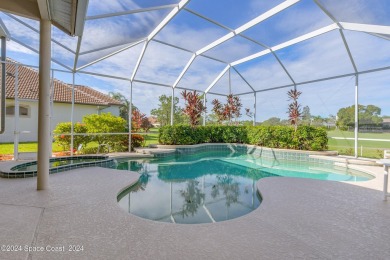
point(28, 88)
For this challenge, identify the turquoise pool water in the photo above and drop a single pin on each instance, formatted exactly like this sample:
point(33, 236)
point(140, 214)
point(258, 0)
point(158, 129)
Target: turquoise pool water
point(211, 186)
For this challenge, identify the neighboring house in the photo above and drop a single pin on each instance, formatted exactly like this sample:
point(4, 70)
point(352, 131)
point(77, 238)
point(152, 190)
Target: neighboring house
point(386, 122)
point(87, 101)
point(154, 121)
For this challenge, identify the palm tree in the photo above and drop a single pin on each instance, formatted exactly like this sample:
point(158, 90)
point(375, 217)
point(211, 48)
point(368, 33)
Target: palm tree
point(124, 110)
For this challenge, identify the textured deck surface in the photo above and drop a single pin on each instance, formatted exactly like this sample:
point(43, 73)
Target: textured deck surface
point(298, 218)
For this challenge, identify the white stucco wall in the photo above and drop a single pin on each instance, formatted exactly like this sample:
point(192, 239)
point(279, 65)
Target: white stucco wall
point(61, 113)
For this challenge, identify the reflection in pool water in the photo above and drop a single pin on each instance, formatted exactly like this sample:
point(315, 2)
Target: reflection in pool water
point(209, 187)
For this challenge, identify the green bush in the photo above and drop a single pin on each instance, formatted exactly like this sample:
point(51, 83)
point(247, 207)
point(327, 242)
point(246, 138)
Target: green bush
point(63, 138)
point(106, 123)
point(305, 138)
point(137, 140)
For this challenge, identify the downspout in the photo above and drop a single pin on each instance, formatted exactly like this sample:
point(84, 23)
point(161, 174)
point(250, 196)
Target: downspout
point(2, 102)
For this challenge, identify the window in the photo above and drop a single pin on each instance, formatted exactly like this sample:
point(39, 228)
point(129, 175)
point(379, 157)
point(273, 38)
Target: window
point(23, 111)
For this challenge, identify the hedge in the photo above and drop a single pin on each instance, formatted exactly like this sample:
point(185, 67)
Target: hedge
point(305, 138)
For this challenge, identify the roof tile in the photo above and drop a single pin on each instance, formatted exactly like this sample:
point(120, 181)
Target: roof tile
point(28, 88)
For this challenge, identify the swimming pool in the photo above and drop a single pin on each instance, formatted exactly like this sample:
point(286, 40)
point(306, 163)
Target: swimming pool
point(211, 186)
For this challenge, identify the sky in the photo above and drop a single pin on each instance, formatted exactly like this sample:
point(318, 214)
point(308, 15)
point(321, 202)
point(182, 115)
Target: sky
point(319, 57)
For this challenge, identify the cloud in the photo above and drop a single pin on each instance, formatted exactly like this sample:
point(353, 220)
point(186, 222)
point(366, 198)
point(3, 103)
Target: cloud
point(97, 7)
point(122, 29)
point(359, 11)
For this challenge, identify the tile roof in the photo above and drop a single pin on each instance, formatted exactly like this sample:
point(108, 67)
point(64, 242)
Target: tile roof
point(28, 88)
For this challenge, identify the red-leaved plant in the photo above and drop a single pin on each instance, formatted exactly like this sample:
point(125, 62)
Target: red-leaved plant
point(194, 107)
point(228, 111)
point(294, 108)
point(136, 119)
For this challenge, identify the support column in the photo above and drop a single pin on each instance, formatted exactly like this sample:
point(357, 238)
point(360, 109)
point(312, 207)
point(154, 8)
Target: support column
point(356, 113)
point(44, 140)
point(230, 81)
point(205, 112)
point(16, 114)
point(51, 109)
point(130, 113)
point(172, 105)
point(254, 109)
point(72, 118)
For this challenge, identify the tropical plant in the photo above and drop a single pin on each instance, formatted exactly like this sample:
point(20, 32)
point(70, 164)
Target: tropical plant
point(136, 120)
point(294, 108)
point(125, 107)
point(194, 107)
point(230, 110)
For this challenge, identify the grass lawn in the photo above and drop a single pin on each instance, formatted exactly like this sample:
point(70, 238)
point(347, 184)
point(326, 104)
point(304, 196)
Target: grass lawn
point(25, 147)
point(150, 138)
point(370, 149)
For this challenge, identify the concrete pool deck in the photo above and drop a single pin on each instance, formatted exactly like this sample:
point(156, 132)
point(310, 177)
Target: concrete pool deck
point(298, 218)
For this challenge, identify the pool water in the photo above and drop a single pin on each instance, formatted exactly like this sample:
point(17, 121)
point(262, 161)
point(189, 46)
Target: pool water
point(212, 186)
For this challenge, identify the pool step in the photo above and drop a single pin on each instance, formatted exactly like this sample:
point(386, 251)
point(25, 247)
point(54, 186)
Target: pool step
point(153, 151)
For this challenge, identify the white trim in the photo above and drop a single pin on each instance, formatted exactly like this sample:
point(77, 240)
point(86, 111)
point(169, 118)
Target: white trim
point(184, 70)
point(277, 9)
point(306, 37)
point(251, 57)
point(248, 25)
point(217, 78)
point(108, 56)
point(167, 19)
point(134, 11)
point(368, 28)
point(44, 9)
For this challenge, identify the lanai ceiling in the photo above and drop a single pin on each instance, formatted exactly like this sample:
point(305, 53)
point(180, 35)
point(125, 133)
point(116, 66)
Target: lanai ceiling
point(219, 46)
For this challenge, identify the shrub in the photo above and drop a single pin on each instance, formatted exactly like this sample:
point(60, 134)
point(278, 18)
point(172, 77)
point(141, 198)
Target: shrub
point(106, 123)
point(305, 138)
point(181, 134)
point(63, 138)
point(137, 140)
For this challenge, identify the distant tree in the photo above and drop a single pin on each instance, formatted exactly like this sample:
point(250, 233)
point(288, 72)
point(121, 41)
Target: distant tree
point(306, 116)
point(163, 112)
point(212, 119)
point(125, 108)
point(294, 108)
point(193, 107)
point(317, 121)
point(368, 115)
point(271, 121)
